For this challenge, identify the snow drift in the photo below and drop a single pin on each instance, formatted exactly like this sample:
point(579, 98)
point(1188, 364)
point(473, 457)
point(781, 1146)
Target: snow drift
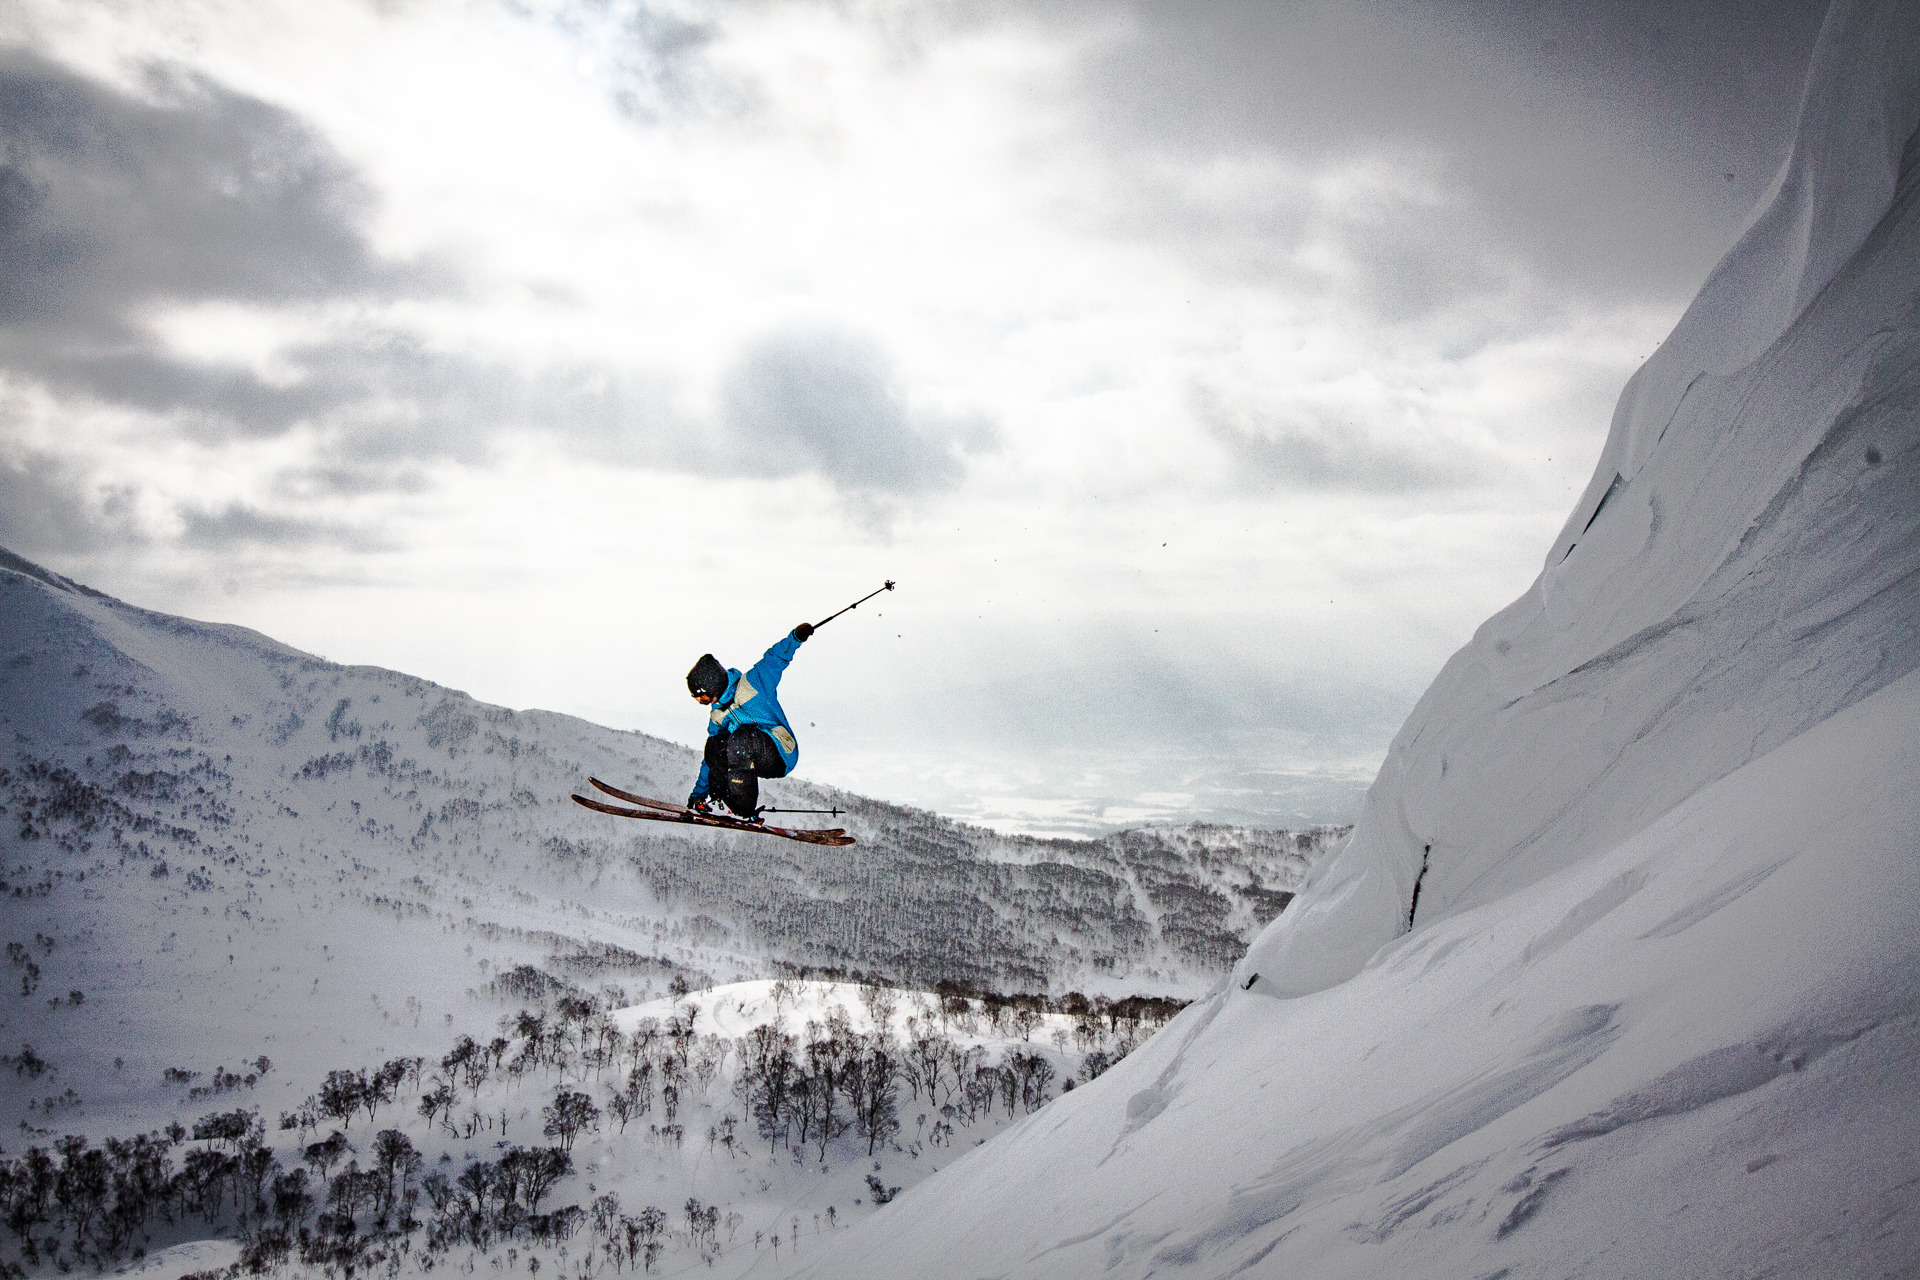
point(1656, 1009)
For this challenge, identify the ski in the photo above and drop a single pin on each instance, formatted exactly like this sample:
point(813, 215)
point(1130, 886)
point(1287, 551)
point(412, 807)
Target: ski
point(836, 837)
point(665, 807)
point(631, 798)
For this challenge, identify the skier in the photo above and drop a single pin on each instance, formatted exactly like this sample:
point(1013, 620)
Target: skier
point(748, 737)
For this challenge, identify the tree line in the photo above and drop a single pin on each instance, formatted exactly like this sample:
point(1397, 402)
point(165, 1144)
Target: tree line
point(339, 1206)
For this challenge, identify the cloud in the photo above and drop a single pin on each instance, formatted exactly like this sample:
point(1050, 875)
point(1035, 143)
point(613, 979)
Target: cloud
point(239, 525)
point(349, 478)
point(117, 207)
point(49, 508)
point(1316, 446)
point(1381, 238)
point(1206, 698)
point(1592, 142)
point(827, 400)
point(114, 205)
point(654, 63)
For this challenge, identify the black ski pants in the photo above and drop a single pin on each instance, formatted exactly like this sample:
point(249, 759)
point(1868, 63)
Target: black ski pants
point(735, 764)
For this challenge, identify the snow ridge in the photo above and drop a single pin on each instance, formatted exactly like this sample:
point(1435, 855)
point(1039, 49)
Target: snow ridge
point(1656, 1012)
point(1742, 567)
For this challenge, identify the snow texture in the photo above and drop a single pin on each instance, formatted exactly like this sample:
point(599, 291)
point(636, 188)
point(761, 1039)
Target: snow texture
point(1656, 1010)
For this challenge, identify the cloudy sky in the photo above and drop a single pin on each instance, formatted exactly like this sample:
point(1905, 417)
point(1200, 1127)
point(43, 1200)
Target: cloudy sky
point(1204, 372)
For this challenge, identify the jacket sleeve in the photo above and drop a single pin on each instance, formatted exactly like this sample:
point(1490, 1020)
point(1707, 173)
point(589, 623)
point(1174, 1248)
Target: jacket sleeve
point(767, 672)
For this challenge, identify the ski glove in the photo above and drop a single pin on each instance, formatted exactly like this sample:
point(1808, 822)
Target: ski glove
point(802, 631)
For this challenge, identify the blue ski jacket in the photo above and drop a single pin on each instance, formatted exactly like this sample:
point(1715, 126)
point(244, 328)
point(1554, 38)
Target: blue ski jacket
point(750, 703)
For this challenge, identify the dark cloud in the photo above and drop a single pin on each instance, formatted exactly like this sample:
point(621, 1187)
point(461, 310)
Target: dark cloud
point(239, 526)
point(1592, 141)
point(49, 507)
point(1396, 253)
point(1309, 447)
point(53, 506)
point(112, 205)
point(115, 205)
point(349, 478)
point(825, 400)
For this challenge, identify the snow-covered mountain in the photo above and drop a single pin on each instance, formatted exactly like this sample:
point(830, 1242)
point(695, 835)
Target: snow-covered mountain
point(229, 848)
point(1619, 973)
point(238, 879)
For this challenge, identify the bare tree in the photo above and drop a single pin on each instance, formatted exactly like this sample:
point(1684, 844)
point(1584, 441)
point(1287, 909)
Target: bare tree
point(569, 1114)
point(709, 1059)
point(880, 1003)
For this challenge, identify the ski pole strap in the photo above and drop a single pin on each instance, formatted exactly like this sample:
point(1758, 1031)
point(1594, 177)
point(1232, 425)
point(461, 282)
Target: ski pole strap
point(888, 586)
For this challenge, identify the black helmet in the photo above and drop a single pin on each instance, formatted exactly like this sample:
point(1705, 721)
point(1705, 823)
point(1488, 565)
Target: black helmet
point(708, 678)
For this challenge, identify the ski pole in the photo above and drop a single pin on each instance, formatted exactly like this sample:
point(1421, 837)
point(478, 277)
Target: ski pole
point(855, 605)
point(835, 812)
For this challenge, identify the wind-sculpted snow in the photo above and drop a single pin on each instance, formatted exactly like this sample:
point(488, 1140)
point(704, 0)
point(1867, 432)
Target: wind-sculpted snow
point(1616, 974)
point(1745, 563)
point(1734, 1098)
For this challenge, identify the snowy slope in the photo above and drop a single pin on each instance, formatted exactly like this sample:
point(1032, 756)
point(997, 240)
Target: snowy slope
point(1658, 1010)
point(231, 848)
point(1741, 567)
point(1695, 1055)
point(229, 869)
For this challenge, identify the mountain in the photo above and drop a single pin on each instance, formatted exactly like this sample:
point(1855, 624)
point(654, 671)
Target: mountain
point(1617, 973)
point(217, 847)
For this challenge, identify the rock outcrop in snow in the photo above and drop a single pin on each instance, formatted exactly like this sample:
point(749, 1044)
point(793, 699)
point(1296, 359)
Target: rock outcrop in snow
point(1741, 566)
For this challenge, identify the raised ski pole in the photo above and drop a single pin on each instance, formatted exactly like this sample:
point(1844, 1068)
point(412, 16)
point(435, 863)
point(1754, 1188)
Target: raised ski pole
point(855, 605)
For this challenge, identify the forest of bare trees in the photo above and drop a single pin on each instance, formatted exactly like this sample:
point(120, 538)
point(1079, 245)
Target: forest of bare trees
point(340, 1192)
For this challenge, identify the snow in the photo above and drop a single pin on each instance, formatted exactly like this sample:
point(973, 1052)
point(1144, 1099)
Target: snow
point(737, 1008)
point(219, 850)
point(1701, 1044)
point(1751, 575)
point(1837, 183)
point(332, 896)
point(184, 1260)
point(1656, 1012)
point(769, 1192)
